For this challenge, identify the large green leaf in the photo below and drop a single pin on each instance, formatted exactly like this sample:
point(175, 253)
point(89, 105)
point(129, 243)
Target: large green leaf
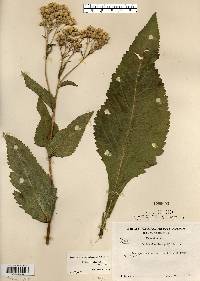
point(43, 130)
point(35, 194)
point(45, 95)
point(131, 127)
point(66, 141)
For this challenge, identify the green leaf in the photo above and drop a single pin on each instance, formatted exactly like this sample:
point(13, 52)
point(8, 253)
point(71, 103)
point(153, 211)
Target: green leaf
point(68, 83)
point(43, 130)
point(66, 141)
point(62, 68)
point(131, 127)
point(45, 95)
point(35, 194)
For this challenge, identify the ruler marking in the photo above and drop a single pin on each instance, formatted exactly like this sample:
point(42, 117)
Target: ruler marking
point(109, 8)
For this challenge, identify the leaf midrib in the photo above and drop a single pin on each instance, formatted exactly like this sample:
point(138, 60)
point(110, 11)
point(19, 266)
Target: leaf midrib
point(27, 175)
point(124, 147)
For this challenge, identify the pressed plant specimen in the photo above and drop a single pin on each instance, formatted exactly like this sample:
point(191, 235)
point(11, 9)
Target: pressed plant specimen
point(35, 191)
point(131, 127)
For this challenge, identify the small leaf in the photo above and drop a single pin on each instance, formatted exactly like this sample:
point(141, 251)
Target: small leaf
point(66, 141)
point(43, 130)
point(35, 194)
point(132, 125)
point(62, 68)
point(45, 95)
point(70, 83)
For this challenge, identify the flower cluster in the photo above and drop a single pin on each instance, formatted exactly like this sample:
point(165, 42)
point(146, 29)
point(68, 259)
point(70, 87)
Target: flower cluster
point(69, 38)
point(54, 15)
point(97, 36)
point(85, 41)
point(60, 30)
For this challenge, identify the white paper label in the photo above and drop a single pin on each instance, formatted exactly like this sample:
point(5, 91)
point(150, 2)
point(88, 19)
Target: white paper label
point(88, 262)
point(156, 251)
point(17, 269)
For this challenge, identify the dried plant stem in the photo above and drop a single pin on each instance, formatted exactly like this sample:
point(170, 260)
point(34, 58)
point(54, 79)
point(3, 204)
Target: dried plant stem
point(45, 65)
point(48, 231)
point(46, 76)
point(68, 73)
point(51, 133)
point(112, 199)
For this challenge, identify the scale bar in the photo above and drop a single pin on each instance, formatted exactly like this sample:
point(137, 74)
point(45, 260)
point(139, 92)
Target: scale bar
point(109, 8)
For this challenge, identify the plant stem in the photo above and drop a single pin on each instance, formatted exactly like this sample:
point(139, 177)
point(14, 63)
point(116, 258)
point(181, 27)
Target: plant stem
point(53, 117)
point(112, 199)
point(50, 160)
point(69, 72)
point(103, 225)
point(45, 65)
point(48, 231)
point(54, 112)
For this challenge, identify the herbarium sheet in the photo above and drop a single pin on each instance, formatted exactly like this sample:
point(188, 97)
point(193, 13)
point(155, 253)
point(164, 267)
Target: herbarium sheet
point(100, 114)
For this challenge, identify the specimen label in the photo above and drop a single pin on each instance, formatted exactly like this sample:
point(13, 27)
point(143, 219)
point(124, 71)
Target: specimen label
point(88, 262)
point(155, 251)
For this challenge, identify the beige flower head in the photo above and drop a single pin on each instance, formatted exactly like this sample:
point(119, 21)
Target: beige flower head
point(97, 36)
point(54, 15)
point(86, 41)
point(70, 38)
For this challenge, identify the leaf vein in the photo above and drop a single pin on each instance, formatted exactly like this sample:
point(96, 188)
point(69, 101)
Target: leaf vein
point(124, 147)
